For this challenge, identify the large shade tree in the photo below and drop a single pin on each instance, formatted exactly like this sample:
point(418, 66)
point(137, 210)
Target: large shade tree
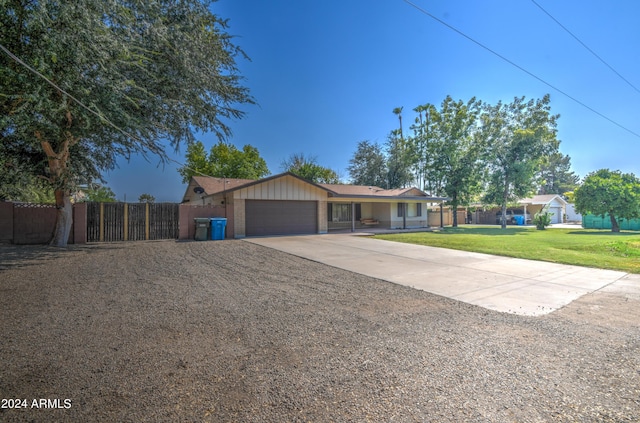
point(613, 193)
point(86, 81)
point(99, 194)
point(307, 167)
point(454, 154)
point(18, 161)
point(225, 161)
point(368, 166)
point(555, 175)
point(399, 161)
point(516, 137)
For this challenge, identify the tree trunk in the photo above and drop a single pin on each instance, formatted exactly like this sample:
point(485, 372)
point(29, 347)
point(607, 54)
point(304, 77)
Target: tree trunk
point(64, 219)
point(503, 217)
point(614, 223)
point(58, 177)
point(454, 210)
point(505, 197)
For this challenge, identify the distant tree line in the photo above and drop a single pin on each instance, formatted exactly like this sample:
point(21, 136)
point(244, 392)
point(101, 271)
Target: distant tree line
point(224, 160)
point(471, 151)
point(465, 150)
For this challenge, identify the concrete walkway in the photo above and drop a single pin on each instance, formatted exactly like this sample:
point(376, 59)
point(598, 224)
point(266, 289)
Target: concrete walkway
point(503, 284)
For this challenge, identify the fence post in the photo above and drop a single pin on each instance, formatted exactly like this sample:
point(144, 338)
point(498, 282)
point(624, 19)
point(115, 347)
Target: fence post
point(125, 229)
point(101, 222)
point(6, 222)
point(184, 218)
point(146, 221)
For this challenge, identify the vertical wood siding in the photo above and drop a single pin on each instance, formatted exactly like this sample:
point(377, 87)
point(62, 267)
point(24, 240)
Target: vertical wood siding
point(109, 222)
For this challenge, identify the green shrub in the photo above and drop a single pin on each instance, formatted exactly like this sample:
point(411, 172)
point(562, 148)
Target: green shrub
point(542, 219)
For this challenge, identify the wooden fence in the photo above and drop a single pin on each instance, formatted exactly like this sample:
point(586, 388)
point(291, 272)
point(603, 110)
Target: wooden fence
point(107, 222)
point(447, 217)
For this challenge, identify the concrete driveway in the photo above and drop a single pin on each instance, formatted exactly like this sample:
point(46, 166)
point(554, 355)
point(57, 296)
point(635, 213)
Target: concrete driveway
point(503, 284)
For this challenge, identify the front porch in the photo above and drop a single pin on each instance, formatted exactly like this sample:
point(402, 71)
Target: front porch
point(380, 216)
point(380, 231)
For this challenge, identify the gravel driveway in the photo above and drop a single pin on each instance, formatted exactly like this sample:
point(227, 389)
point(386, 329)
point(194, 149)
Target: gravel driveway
point(235, 332)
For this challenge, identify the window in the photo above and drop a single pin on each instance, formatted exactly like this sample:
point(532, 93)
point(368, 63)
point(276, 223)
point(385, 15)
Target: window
point(400, 209)
point(414, 210)
point(339, 212)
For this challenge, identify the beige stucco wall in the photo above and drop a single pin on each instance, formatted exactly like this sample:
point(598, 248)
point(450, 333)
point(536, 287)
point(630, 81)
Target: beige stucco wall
point(411, 222)
point(239, 229)
point(434, 217)
point(323, 221)
point(382, 213)
point(366, 210)
point(191, 197)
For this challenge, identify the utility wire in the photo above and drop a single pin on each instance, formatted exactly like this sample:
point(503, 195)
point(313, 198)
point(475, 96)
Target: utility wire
point(520, 67)
point(96, 113)
point(587, 47)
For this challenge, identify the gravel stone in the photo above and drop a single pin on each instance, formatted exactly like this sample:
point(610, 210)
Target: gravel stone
point(230, 331)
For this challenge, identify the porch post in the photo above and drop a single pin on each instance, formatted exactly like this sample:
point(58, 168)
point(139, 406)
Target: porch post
point(353, 216)
point(404, 215)
point(525, 214)
point(441, 216)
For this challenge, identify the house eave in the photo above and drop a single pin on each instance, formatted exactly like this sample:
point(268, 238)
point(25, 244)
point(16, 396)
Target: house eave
point(399, 198)
point(532, 202)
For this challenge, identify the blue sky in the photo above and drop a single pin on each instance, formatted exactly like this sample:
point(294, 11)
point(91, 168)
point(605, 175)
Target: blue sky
point(328, 74)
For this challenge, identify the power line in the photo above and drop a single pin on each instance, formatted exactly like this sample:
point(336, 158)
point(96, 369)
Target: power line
point(521, 68)
point(96, 113)
point(586, 47)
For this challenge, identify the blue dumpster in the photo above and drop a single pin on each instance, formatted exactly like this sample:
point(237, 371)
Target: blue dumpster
point(218, 226)
point(519, 219)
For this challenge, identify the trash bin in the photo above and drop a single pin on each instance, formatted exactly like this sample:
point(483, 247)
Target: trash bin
point(202, 228)
point(218, 226)
point(519, 219)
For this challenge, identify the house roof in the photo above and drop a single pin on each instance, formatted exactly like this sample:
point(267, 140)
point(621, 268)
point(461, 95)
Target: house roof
point(213, 185)
point(363, 191)
point(279, 175)
point(543, 199)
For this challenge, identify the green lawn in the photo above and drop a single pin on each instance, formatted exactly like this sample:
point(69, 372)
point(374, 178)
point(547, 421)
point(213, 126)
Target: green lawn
point(582, 247)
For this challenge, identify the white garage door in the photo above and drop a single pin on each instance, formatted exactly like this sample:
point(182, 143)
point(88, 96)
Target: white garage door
point(556, 217)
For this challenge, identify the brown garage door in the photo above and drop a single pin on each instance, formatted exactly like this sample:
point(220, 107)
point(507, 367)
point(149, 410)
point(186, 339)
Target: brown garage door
point(270, 217)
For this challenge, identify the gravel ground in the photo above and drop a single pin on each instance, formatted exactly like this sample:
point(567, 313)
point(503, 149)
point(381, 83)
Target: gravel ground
point(234, 332)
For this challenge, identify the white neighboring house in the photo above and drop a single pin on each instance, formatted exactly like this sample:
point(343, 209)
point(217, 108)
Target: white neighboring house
point(572, 214)
point(556, 204)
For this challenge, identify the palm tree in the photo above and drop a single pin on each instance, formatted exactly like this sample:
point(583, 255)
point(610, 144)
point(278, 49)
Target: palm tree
point(398, 111)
